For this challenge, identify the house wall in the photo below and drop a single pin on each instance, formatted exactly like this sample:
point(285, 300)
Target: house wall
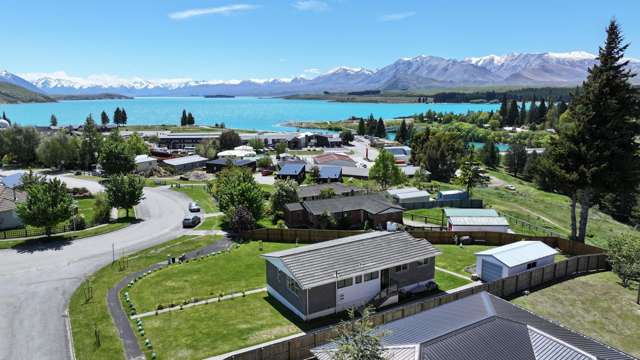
point(9, 220)
point(279, 285)
point(321, 299)
point(295, 218)
point(492, 260)
point(380, 220)
point(415, 274)
point(146, 165)
point(491, 228)
point(357, 294)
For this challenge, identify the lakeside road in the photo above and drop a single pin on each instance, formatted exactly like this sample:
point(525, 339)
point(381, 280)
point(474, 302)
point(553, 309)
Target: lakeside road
point(37, 280)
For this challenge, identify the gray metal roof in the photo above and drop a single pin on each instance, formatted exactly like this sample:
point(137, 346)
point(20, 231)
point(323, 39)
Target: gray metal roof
point(371, 203)
point(485, 327)
point(185, 160)
point(478, 220)
point(469, 212)
point(520, 252)
point(314, 190)
point(318, 264)
point(9, 198)
point(402, 190)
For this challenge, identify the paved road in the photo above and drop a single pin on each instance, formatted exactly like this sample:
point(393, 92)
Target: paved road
point(36, 281)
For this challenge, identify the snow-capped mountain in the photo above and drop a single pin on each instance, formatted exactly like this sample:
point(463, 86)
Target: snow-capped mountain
point(10, 78)
point(526, 69)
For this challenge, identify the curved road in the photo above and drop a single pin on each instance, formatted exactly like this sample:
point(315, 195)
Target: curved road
point(36, 282)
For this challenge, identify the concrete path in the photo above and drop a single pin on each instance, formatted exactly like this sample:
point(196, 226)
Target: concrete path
point(206, 232)
point(121, 319)
point(453, 273)
point(37, 280)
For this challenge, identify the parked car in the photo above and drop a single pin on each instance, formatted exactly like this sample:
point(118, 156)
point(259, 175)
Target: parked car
point(190, 221)
point(266, 172)
point(194, 207)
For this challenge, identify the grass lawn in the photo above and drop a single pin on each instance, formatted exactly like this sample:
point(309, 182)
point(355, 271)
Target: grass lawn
point(455, 258)
point(200, 195)
point(241, 269)
point(85, 314)
point(218, 328)
point(595, 305)
point(447, 281)
point(85, 208)
point(211, 223)
point(434, 215)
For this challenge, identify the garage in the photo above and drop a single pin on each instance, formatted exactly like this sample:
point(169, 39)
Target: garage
point(491, 271)
point(512, 259)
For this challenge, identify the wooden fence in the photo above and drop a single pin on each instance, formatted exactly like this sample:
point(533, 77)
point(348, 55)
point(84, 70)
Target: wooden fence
point(310, 236)
point(299, 347)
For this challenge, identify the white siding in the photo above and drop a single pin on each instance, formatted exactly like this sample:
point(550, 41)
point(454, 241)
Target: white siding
point(357, 294)
point(523, 267)
point(489, 228)
point(491, 259)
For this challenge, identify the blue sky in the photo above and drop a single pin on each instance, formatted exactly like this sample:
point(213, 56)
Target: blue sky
point(216, 39)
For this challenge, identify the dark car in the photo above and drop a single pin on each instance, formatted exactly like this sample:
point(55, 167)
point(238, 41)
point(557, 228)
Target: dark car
point(194, 207)
point(190, 221)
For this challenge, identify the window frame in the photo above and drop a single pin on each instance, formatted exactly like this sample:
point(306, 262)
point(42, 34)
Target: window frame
point(344, 283)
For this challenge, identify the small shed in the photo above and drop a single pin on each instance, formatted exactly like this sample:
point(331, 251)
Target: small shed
point(292, 170)
point(330, 173)
point(451, 195)
point(145, 163)
point(186, 163)
point(214, 166)
point(409, 196)
point(514, 258)
point(478, 223)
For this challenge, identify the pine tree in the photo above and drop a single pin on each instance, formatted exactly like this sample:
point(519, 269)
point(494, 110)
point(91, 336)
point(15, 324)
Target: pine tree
point(402, 135)
point(183, 118)
point(104, 119)
point(361, 127)
point(381, 131)
point(371, 125)
point(523, 113)
point(54, 120)
point(516, 159)
point(542, 112)
point(117, 117)
point(504, 107)
point(532, 115)
point(489, 154)
point(190, 119)
point(123, 120)
point(513, 115)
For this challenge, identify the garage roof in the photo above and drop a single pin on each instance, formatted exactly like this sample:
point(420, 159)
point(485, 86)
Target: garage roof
point(469, 212)
point(478, 221)
point(520, 252)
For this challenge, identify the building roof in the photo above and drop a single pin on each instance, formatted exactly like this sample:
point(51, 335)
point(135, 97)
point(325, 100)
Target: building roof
point(355, 172)
point(291, 169)
point(315, 190)
point(402, 190)
point(185, 160)
point(520, 252)
point(10, 197)
point(318, 264)
point(398, 150)
point(13, 180)
point(237, 153)
point(470, 212)
point(483, 326)
point(420, 194)
point(451, 192)
point(478, 220)
point(331, 157)
point(236, 162)
point(139, 159)
point(330, 172)
point(371, 203)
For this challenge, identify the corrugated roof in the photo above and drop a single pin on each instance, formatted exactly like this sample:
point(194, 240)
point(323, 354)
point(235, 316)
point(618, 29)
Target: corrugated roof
point(317, 264)
point(324, 158)
point(371, 203)
point(478, 221)
point(185, 160)
point(520, 252)
point(413, 195)
point(291, 169)
point(236, 162)
point(330, 172)
point(451, 192)
point(315, 190)
point(402, 190)
point(469, 212)
point(10, 197)
point(143, 158)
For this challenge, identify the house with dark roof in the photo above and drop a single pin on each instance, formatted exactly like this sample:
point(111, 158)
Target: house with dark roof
point(9, 199)
point(292, 170)
point(217, 165)
point(482, 327)
point(312, 192)
point(347, 212)
point(330, 173)
point(332, 276)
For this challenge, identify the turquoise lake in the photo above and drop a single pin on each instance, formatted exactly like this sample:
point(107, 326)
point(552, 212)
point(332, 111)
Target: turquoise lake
point(240, 112)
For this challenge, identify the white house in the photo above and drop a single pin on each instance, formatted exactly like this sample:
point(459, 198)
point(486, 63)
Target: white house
point(237, 153)
point(145, 163)
point(9, 198)
point(511, 259)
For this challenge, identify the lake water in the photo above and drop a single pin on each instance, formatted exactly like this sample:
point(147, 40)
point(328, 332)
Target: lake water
point(240, 112)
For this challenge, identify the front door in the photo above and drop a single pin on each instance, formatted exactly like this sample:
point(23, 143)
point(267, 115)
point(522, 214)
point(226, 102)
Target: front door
point(384, 279)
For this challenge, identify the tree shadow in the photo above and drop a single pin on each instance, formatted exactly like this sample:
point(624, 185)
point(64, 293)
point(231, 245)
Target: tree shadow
point(43, 244)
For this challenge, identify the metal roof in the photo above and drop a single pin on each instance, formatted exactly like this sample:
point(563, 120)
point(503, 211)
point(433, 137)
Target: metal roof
point(13, 180)
point(402, 190)
point(420, 194)
point(315, 190)
point(485, 327)
point(291, 169)
point(326, 262)
point(371, 203)
point(520, 252)
point(478, 220)
point(355, 172)
point(330, 172)
point(469, 212)
point(9, 197)
point(139, 159)
point(185, 160)
point(236, 162)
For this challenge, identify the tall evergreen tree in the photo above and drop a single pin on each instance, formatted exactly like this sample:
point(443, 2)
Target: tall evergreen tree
point(532, 114)
point(402, 135)
point(117, 117)
point(183, 118)
point(542, 112)
point(190, 119)
point(371, 125)
point(104, 119)
point(489, 154)
point(123, 120)
point(504, 107)
point(381, 130)
point(361, 127)
point(513, 114)
point(516, 159)
point(53, 121)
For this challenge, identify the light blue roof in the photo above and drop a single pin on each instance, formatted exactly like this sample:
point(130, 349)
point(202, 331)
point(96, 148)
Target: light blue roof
point(520, 252)
point(456, 212)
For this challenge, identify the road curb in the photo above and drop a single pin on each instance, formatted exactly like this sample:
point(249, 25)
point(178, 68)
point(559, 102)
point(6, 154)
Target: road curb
point(67, 322)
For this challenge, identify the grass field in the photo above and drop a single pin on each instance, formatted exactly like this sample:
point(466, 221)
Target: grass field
point(200, 195)
point(434, 215)
point(595, 305)
point(456, 259)
point(447, 282)
point(86, 316)
point(241, 269)
point(211, 223)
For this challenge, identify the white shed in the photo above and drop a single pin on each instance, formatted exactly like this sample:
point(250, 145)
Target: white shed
point(478, 223)
point(145, 163)
point(511, 259)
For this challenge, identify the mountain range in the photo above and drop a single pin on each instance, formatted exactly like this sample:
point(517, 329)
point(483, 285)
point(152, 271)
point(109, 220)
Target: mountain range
point(415, 73)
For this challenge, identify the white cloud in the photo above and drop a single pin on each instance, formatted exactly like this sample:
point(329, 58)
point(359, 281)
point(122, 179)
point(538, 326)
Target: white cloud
point(312, 71)
point(311, 5)
point(396, 16)
point(220, 10)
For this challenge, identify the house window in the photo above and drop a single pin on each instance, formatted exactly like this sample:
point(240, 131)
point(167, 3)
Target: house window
point(358, 279)
point(424, 262)
point(531, 265)
point(292, 285)
point(278, 274)
point(402, 268)
point(345, 283)
point(371, 276)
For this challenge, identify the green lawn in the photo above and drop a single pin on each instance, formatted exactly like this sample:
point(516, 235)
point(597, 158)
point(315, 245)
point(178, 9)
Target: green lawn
point(200, 195)
point(595, 305)
point(85, 315)
point(434, 215)
point(241, 269)
point(85, 208)
point(447, 281)
point(455, 258)
point(218, 328)
point(211, 223)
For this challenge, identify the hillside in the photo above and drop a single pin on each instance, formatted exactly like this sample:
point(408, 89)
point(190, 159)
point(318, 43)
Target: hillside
point(13, 94)
point(102, 96)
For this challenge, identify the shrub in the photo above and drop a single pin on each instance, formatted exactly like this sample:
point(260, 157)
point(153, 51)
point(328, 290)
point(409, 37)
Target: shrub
point(101, 209)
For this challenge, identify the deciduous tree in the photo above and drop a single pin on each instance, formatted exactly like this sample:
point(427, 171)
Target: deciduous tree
point(124, 191)
point(47, 205)
point(385, 172)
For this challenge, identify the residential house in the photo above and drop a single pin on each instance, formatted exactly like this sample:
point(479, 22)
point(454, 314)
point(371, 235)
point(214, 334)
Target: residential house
point(481, 327)
point(214, 166)
point(145, 163)
point(312, 192)
point(347, 212)
point(334, 159)
point(186, 163)
point(512, 259)
point(401, 154)
point(292, 170)
point(9, 198)
point(330, 174)
point(329, 277)
point(177, 141)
